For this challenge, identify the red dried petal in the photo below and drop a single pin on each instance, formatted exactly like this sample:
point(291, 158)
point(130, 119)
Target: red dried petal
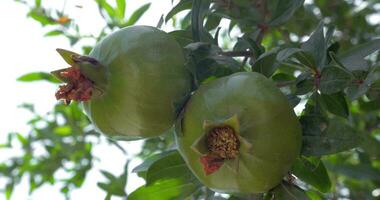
point(79, 88)
point(211, 164)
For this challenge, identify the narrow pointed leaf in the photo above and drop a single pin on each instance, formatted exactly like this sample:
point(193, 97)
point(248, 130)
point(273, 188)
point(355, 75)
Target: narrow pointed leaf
point(67, 55)
point(137, 14)
point(354, 58)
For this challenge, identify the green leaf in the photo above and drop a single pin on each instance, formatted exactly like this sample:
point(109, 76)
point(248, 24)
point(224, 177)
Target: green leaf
point(334, 79)
point(38, 76)
point(160, 22)
point(316, 45)
point(181, 6)
point(137, 14)
point(9, 190)
point(109, 176)
point(304, 83)
point(37, 3)
point(184, 38)
point(358, 171)
point(213, 21)
point(40, 17)
point(371, 146)
point(22, 139)
point(170, 166)
point(335, 103)
point(337, 137)
point(205, 62)
point(313, 172)
point(281, 11)
point(357, 90)
point(306, 58)
point(287, 53)
point(53, 33)
point(353, 59)
point(176, 188)
point(120, 5)
point(266, 64)
point(115, 185)
point(329, 35)
point(288, 192)
point(144, 166)
point(198, 13)
point(107, 7)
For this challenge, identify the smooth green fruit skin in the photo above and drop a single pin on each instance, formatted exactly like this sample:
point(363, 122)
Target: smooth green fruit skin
point(267, 121)
point(146, 78)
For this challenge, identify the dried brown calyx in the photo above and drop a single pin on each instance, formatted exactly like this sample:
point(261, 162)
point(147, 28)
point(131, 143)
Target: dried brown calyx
point(77, 88)
point(222, 144)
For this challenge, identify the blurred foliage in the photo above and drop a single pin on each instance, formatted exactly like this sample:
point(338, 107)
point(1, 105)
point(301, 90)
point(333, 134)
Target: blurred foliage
point(321, 54)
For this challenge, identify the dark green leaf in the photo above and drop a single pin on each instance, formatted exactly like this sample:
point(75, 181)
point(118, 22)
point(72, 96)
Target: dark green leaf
point(183, 37)
point(182, 5)
point(316, 45)
point(335, 103)
point(160, 22)
point(371, 146)
point(286, 53)
point(115, 185)
point(266, 64)
point(293, 100)
point(329, 35)
point(313, 172)
point(143, 167)
point(198, 13)
point(358, 171)
point(205, 62)
point(306, 58)
point(38, 76)
point(304, 83)
point(281, 11)
point(176, 188)
point(212, 21)
point(358, 89)
point(170, 166)
point(337, 137)
point(334, 79)
point(109, 176)
point(354, 58)
point(137, 14)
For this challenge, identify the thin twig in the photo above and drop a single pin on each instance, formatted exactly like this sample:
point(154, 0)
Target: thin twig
point(237, 53)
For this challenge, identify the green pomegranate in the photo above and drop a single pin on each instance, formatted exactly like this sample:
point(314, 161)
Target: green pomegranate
point(238, 134)
point(130, 83)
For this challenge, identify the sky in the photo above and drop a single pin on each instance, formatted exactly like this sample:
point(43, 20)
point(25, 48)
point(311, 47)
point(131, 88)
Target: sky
point(24, 49)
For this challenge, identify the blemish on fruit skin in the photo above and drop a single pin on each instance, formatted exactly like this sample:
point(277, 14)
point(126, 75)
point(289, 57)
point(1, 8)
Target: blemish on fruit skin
point(78, 88)
point(211, 164)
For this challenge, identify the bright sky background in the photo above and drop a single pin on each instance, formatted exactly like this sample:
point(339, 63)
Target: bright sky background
point(24, 49)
